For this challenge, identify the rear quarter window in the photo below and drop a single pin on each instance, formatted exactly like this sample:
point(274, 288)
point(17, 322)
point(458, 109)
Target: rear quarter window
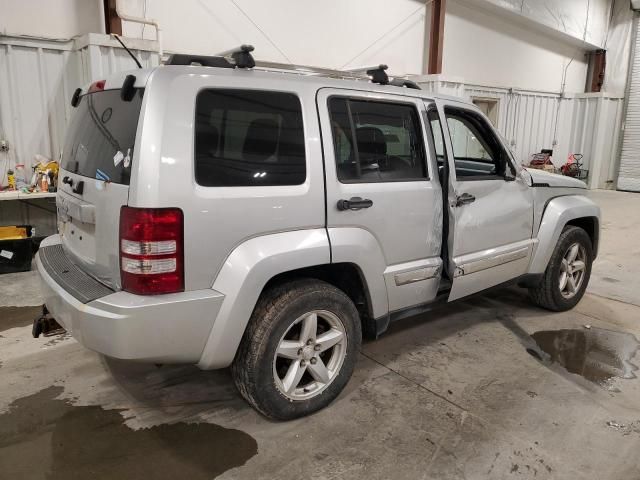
point(248, 138)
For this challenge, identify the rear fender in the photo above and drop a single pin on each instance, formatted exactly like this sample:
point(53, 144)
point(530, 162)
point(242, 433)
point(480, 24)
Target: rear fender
point(243, 277)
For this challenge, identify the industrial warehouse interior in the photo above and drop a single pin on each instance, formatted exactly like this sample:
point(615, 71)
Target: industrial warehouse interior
point(341, 239)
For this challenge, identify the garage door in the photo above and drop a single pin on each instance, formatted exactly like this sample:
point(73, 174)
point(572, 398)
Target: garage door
point(629, 176)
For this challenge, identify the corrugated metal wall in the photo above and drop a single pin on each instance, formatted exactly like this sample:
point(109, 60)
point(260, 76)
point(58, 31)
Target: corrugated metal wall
point(589, 124)
point(37, 80)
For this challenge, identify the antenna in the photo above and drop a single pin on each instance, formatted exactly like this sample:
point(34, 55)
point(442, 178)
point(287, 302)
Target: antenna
point(128, 51)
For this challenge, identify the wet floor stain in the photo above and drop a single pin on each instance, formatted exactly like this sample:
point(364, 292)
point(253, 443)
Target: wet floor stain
point(596, 354)
point(41, 437)
point(610, 280)
point(12, 317)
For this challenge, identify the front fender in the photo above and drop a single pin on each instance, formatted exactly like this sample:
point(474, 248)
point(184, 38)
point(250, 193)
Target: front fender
point(557, 214)
point(242, 278)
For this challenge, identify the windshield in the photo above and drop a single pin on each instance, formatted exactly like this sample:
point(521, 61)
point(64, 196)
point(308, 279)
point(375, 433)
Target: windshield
point(100, 139)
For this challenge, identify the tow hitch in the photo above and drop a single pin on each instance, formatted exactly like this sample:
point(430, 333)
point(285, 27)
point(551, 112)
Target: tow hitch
point(46, 325)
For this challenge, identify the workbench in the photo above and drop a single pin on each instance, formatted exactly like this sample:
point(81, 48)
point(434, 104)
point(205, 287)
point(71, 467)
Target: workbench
point(37, 209)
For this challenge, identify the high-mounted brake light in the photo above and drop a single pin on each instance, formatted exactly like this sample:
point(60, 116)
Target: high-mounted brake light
point(151, 250)
point(97, 86)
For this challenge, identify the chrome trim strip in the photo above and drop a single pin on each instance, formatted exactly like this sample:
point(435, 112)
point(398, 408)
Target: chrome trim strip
point(485, 263)
point(418, 275)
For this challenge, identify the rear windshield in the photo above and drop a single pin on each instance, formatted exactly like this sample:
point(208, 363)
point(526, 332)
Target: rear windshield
point(100, 138)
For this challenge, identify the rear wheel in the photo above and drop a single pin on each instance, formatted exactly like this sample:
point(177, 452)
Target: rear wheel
point(567, 275)
point(299, 349)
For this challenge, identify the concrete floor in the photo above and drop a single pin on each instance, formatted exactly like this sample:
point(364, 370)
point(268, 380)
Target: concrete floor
point(453, 394)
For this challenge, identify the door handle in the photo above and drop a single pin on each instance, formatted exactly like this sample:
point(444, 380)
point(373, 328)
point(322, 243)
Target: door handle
point(465, 199)
point(354, 203)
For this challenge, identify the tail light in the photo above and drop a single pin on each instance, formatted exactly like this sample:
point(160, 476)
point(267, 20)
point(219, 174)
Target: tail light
point(151, 250)
point(97, 86)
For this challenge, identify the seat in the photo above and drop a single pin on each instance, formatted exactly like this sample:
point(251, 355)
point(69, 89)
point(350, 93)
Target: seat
point(372, 147)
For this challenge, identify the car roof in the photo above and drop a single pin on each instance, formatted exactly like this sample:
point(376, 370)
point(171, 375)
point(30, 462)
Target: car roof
point(293, 76)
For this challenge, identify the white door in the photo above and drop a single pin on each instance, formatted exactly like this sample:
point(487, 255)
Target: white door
point(629, 174)
point(381, 192)
point(491, 205)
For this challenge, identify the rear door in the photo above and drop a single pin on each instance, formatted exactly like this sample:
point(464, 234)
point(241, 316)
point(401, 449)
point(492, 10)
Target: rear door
point(380, 186)
point(94, 180)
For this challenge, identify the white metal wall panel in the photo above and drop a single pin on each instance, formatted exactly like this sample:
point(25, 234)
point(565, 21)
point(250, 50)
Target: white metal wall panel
point(37, 80)
point(629, 176)
point(531, 121)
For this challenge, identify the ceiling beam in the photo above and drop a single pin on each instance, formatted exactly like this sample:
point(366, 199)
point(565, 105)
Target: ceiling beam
point(112, 22)
point(436, 36)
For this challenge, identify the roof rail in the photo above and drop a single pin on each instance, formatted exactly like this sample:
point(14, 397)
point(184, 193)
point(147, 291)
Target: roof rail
point(403, 82)
point(203, 60)
point(240, 57)
point(377, 74)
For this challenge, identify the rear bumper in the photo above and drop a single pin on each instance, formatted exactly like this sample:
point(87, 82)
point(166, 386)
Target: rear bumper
point(162, 329)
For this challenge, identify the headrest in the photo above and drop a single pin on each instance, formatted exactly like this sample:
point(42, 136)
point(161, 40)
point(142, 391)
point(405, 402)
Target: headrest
point(261, 140)
point(371, 144)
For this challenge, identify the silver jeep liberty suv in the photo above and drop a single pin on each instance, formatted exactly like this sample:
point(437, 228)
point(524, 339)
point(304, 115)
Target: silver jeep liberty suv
point(264, 218)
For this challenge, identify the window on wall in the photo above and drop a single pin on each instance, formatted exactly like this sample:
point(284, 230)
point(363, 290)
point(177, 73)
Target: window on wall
point(477, 151)
point(376, 141)
point(488, 106)
point(248, 138)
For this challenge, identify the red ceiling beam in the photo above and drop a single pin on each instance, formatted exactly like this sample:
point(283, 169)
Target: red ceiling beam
point(436, 36)
point(113, 23)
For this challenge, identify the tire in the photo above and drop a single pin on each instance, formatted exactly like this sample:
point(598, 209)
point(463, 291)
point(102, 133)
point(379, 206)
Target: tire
point(550, 293)
point(279, 321)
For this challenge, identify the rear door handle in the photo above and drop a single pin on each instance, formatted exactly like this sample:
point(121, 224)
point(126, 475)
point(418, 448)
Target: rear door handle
point(354, 203)
point(465, 199)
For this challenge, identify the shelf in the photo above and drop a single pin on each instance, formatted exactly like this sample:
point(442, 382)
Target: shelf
point(25, 196)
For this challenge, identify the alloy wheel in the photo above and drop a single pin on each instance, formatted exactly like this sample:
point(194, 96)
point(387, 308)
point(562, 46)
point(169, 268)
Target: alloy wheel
point(572, 270)
point(309, 355)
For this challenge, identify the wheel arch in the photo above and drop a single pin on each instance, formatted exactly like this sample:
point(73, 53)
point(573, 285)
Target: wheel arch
point(577, 210)
point(345, 276)
point(591, 225)
point(264, 261)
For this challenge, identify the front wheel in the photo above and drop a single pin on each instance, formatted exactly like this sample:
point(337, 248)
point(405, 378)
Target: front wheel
point(299, 350)
point(567, 275)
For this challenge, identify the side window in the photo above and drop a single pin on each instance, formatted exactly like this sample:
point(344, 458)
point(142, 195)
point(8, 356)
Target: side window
point(476, 150)
point(248, 138)
point(376, 141)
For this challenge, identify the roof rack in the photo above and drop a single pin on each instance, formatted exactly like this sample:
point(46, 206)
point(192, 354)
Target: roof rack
point(241, 57)
point(377, 74)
